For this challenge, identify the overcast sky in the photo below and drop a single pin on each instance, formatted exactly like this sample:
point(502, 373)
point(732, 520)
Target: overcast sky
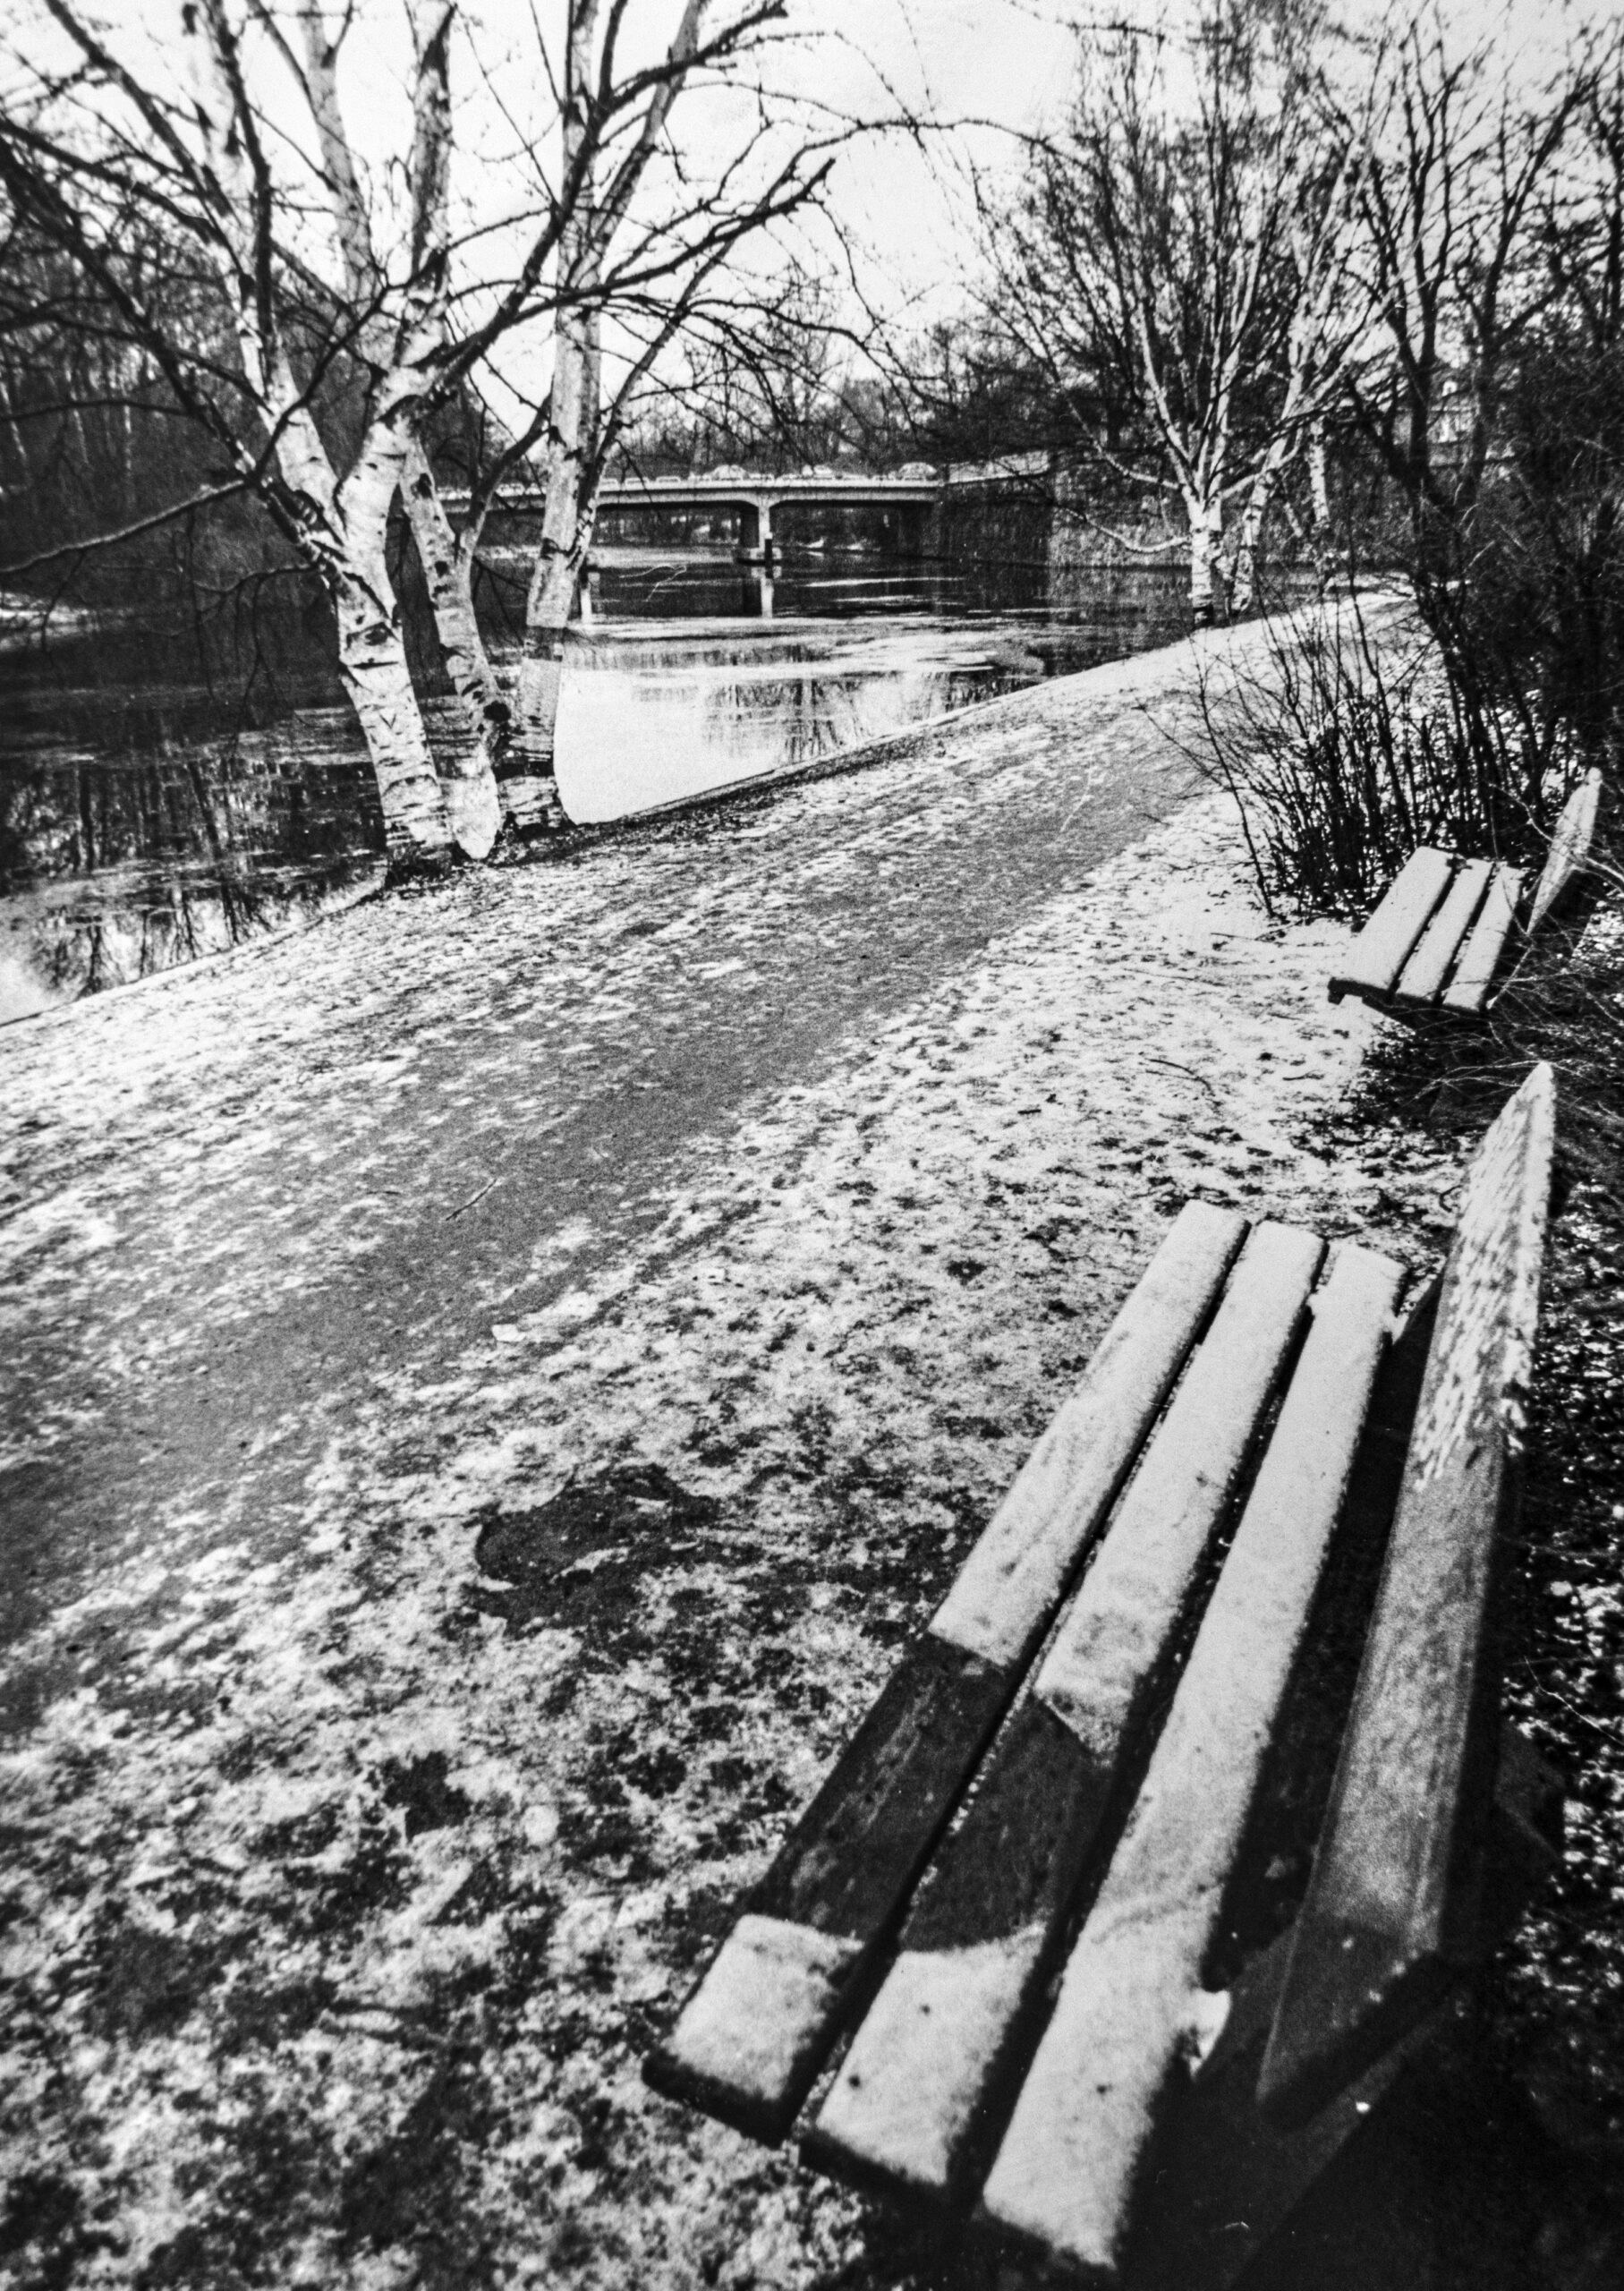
point(985, 71)
point(1009, 64)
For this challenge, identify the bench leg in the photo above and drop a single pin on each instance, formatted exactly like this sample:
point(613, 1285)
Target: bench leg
point(1225, 2180)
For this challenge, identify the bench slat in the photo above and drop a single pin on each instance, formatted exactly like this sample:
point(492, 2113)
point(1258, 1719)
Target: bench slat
point(1422, 976)
point(1383, 947)
point(905, 2108)
point(756, 2029)
point(1468, 989)
point(1131, 2004)
point(759, 2025)
point(1010, 1587)
point(1389, 1913)
point(1570, 847)
point(903, 2114)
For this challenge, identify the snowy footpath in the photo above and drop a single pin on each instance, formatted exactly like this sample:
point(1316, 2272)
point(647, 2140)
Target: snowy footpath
point(492, 1383)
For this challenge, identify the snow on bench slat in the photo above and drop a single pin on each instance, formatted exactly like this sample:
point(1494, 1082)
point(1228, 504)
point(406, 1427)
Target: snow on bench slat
point(1101, 1662)
point(1383, 947)
point(1131, 2004)
point(840, 1881)
point(1008, 1590)
point(1468, 989)
point(904, 2106)
point(1422, 976)
point(744, 2029)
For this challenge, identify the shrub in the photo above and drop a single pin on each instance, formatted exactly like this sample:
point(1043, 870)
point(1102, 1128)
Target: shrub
point(1355, 740)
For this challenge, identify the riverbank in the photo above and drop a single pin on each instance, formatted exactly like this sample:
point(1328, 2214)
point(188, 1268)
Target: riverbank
point(151, 819)
point(495, 1382)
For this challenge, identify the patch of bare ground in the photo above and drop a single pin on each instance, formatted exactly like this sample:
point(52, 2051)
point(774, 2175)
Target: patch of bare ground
point(352, 1867)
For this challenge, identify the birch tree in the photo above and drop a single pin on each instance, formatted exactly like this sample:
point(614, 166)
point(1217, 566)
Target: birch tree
point(329, 350)
point(449, 549)
point(1326, 322)
point(1179, 253)
point(471, 793)
point(643, 236)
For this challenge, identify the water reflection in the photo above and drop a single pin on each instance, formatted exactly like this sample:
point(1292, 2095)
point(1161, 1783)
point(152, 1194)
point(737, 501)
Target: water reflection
point(145, 823)
point(137, 842)
point(695, 672)
point(65, 940)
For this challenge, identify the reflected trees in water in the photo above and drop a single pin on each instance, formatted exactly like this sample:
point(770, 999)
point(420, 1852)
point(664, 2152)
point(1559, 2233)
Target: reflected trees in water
point(287, 295)
point(298, 359)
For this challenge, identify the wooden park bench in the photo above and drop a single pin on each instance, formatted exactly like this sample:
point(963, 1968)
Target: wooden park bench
point(1436, 943)
point(1037, 2050)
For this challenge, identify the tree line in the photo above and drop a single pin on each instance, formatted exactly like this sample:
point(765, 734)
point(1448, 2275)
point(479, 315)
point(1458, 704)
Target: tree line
point(1364, 294)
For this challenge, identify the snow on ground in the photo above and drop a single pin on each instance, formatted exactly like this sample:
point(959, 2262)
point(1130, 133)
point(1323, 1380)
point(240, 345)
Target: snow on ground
point(345, 1902)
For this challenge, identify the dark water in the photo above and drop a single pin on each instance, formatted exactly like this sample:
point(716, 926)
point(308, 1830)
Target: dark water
point(146, 822)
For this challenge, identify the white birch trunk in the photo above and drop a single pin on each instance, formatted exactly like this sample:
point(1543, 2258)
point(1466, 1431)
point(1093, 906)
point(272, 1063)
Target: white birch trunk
point(1318, 489)
point(447, 560)
point(341, 531)
point(372, 659)
point(526, 778)
point(372, 663)
point(1242, 583)
point(1243, 579)
point(1206, 521)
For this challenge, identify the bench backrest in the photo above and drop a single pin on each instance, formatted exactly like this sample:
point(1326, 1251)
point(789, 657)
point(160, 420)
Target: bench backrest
point(1390, 1912)
point(1570, 850)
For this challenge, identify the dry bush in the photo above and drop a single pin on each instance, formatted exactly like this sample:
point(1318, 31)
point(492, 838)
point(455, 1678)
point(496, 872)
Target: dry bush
point(1350, 746)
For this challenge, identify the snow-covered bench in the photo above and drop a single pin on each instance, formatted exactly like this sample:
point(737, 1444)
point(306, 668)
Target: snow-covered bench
point(1136, 2124)
point(1437, 941)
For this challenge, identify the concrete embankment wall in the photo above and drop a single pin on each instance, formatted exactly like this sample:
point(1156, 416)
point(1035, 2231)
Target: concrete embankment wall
point(1064, 526)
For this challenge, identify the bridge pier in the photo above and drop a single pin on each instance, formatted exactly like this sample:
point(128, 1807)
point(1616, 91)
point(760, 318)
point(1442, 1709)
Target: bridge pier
point(919, 528)
point(755, 532)
point(912, 529)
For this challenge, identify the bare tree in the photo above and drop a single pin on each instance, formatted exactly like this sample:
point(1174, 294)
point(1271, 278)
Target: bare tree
point(644, 235)
point(1326, 314)
point(771, 393)
point(1450, 197)
point(312, 404)
point(335, 330)
point(81, 423)
point(1180, 260)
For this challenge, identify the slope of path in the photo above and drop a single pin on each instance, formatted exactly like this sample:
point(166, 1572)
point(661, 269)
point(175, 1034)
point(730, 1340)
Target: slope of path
point(235, 1196)
point(382, 1797)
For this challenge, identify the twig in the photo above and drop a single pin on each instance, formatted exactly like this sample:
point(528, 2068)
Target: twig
point(472, 1197)
point(1152, 1059)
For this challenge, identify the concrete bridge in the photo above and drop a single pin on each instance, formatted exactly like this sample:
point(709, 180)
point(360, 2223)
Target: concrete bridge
point(915, 492)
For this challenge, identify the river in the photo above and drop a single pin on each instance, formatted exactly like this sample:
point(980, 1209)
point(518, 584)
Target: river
point(146, 822)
